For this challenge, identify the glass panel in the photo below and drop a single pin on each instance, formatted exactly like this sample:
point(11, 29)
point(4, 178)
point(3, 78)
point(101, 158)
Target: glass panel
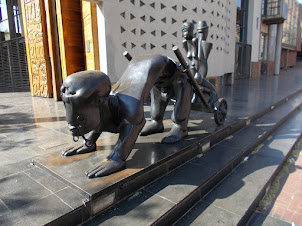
point(4, 26)
point(3, 10)
point(290, 26)
point(5, 23)
point(263, 7)
point(263, 47)
point(17, 20)
point(238, 33)
point(241, 20)
point(239, 3)
point(273, 7)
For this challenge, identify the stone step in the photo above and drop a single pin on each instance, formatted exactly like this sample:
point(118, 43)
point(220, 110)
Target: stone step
point(234, 200)
point(143, 166)
point(165, 200)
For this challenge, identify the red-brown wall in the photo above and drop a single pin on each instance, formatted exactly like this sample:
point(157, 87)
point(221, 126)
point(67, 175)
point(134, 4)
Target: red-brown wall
point(256, 69)
point(292, 58)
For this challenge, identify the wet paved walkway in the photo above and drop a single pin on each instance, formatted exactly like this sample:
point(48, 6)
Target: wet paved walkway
point(286, 205)
point(33, 126)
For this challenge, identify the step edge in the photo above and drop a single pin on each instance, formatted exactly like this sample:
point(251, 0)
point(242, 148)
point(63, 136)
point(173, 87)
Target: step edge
point(240, 124)
point(170, 214)
point(253, 207)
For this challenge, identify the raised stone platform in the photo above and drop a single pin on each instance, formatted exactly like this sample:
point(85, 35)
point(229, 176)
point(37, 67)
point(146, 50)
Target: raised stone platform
point(148, 155)
point(148, 161)
point(165, 200)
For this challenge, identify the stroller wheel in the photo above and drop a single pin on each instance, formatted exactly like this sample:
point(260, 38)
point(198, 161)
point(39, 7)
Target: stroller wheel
point(220, 111)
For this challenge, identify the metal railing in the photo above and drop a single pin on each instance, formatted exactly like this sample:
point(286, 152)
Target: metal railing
point(13, 65)
point(271, 8)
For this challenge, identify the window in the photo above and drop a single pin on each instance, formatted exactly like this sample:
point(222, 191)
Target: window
point(239, 3)
point(290, 26)
point(241, 20)
point(263, 8)
point(10, 19)
point(4, 30)
point(263, 47)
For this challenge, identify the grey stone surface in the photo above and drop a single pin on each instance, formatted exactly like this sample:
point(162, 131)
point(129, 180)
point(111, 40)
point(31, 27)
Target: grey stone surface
point(71, 197)
point(235, 193)
point(258, 166)
point(238, 190)
point(14, 168)
point(204, 214)
point(289, 132)
point(33, 126)
point(3, 208)
point(265, 220)
point(243, 138)
point(276, 148)
point(44, 179)
point(19, 189)
point(178, 184)
point(142, 208)
point(217, 157)
point(40, 212)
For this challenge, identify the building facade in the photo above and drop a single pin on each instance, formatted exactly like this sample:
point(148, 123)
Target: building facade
point(151, 27)
point(279, 33)
point(291, 41)
point(66, 36)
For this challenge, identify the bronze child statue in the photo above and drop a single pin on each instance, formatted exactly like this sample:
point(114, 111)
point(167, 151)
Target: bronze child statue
point(91, 107)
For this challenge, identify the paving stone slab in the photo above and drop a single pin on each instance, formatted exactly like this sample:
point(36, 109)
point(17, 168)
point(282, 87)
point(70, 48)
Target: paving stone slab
point(265, 220)
point(139, 209)
point(3, 208)
point(276, 148)
point(240, 190)
point(217, 157)
point(210, 213)
point(235, 193)
point(180, 182)
point(15, 196)
point(40, 212)
point(71, 197)
point(261, 167)
point(13, 168)
point(46, 180)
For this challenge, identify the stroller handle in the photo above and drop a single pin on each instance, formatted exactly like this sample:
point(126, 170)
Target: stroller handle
point(190, 76)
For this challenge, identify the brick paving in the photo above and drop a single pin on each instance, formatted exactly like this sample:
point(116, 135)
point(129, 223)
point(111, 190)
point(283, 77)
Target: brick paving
point(288, 204)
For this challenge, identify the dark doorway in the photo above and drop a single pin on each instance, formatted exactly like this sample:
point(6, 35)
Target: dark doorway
point(243, 50)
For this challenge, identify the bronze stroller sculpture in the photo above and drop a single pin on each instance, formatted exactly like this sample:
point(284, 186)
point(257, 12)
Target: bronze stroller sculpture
point(198, 51)
point(92, 108)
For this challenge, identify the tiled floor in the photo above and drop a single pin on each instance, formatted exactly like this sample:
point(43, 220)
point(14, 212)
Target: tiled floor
point(34, 126)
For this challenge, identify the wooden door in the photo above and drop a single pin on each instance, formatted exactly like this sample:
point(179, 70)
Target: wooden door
point(35, 33)
point(69, 18)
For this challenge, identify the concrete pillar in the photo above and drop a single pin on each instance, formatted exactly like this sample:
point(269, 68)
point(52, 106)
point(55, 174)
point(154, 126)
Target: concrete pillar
point(11, 19)
point(278, 49)
point(272, 42)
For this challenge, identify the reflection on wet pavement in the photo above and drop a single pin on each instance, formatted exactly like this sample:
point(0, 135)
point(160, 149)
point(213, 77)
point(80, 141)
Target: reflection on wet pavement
point(33, 126)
